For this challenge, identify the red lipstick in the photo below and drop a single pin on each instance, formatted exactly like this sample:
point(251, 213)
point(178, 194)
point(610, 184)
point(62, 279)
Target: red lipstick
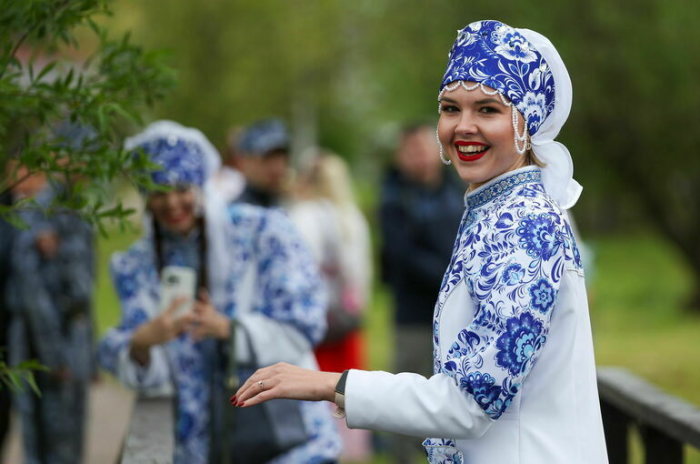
point(470, 157)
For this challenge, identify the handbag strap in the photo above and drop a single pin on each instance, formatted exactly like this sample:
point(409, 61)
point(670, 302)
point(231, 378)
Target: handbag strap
point(232, 380)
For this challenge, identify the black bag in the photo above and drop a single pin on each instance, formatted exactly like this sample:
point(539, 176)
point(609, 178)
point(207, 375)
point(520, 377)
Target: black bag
point(256, 434)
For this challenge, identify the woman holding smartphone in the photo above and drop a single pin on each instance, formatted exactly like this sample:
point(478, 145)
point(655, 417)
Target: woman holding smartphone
point(514, 373)
point(249, 267)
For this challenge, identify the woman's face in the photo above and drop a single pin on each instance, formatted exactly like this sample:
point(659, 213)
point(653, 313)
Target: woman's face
point(476, 132)
point(174, 210)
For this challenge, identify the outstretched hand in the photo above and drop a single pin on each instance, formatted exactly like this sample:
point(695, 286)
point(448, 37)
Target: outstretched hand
point(284, 380)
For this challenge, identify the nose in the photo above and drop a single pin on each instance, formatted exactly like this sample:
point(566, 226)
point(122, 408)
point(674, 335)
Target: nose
point(466, 124)
point(171, 199)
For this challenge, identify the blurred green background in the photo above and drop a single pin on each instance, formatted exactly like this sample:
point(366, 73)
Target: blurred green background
point(347, 74)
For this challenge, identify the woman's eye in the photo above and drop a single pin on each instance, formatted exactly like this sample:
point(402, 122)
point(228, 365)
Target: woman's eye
point(488, 110)
point(449, 109)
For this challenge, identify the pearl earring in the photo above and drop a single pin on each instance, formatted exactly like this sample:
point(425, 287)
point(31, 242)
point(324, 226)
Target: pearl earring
point(442, 153)
point(521, 141)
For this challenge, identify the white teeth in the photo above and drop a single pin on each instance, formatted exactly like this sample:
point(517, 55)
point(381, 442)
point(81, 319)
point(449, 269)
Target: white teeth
point(471, 148)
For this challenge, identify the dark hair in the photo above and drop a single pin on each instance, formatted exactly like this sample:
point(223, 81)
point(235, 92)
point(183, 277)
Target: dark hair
point(203, 275)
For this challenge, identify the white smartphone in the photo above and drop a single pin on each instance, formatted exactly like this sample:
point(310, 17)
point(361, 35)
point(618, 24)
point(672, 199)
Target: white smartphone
point(176, 282)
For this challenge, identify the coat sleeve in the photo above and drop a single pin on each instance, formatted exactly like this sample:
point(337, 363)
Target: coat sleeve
point(290, 289)
point(513, 276)
point(113, 350)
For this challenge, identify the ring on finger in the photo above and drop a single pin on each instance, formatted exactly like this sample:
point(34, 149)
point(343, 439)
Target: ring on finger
point(261, 384)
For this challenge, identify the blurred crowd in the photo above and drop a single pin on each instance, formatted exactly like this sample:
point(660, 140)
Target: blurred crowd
point(279, 253)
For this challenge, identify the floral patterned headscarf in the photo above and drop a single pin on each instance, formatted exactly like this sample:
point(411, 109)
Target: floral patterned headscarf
point(185, 154)
point(524, 67)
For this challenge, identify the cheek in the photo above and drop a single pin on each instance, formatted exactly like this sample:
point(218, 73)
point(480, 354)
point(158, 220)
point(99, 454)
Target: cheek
point(500, 132)
point(189, 203)
point(445, 129)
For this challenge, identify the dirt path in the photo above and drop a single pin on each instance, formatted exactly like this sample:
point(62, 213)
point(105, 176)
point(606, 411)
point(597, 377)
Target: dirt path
point(110, 409)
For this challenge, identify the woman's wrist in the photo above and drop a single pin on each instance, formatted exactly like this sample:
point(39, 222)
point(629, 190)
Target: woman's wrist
point(329, 386)
point(142, 339)
point(224, 332)
point(139, 349)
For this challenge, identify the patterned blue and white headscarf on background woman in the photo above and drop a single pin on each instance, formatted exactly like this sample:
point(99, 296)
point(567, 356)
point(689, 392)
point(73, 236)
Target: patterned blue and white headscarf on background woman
point(185, 154)
point(524, 67)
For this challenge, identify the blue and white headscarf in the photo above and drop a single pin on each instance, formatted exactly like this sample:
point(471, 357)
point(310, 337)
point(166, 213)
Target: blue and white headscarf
point(186, 155)
point(524, 67)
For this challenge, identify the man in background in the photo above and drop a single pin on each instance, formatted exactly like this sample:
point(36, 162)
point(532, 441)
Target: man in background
point(420, 209)
point(229, 182)
point(264, 162)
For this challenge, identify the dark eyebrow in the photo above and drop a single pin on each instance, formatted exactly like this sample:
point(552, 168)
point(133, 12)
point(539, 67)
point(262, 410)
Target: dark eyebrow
point(486, 101)
point(447, 99)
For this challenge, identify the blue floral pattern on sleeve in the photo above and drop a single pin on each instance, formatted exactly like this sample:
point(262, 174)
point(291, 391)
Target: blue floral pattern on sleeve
point(442, 451)
point(513, 247)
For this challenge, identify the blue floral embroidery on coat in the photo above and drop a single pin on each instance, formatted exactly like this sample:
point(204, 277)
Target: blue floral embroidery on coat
point(513, 274)
point(537, 235)
point(483, 387)
point(519, 343)
point(513, 246)
point(442, 451)
point(542, 296)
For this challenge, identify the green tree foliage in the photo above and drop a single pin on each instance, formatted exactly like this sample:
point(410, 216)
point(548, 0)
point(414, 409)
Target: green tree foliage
point(638, 96)
point(46, 79)
point(17, 376)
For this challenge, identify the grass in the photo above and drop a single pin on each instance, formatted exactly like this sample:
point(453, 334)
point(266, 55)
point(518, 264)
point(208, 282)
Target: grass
point(636, 298)
point(639, 319)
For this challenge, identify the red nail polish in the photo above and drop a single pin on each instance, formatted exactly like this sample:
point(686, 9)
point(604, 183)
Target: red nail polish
point(240, 405)
point(233, 399)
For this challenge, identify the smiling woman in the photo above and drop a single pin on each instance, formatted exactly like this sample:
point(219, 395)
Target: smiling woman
point(515, 377)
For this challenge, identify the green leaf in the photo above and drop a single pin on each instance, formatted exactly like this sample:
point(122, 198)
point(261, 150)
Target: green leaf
point(47, 69)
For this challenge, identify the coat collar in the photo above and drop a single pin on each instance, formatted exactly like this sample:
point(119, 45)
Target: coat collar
point(502, 185)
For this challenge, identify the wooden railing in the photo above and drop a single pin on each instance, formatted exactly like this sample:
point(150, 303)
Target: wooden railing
point(151, 437)
point(665, 422)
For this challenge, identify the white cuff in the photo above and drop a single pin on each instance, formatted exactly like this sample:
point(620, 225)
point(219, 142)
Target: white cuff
point(150, 380)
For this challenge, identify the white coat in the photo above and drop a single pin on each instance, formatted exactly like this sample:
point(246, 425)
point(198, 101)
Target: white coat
point(515, 378)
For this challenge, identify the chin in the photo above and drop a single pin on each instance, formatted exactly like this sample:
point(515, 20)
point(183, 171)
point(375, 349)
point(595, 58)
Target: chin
point(471, 174)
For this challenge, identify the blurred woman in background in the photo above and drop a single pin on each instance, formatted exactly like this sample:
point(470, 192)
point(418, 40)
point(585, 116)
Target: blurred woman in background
point(250, 269)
